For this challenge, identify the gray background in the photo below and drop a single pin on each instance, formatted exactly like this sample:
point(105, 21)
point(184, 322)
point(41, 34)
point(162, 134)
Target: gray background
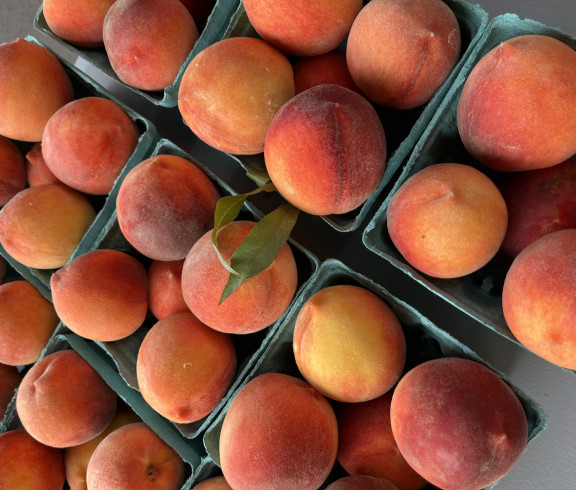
point(549, 462)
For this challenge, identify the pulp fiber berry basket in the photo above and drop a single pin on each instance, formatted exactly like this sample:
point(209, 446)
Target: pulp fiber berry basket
point(424, 341)
point(478, 294)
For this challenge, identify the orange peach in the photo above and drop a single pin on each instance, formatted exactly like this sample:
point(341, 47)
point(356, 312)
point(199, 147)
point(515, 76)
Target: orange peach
point(185, 368)
point(133, 457)
point(516, 110)
point(10, 378)
point(147, 41)
point(164, 205)
point(361, 482)
point(278, 432)
point(41, 226)
point(325, 150)
point(232, 90)
point(62, 401)
point(37, 172)
point(165, 288)
point(87, 143)
point(12, 170)
point(27, 321)
point(457, 423)
point(33, 86)
point(447, 220)
point(399, 53)
point(214, 483)
point(329, 67)
point(538, 297)
point(101, 295)
point(257, 303)
point(300, 27)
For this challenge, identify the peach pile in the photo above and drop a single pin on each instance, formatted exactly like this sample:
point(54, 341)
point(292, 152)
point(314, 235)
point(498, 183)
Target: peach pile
point(12, 170)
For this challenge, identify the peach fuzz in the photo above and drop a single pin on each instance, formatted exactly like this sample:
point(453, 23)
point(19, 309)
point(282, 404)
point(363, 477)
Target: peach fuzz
point(134, 457)
point(165, 288)
point(366, 445)
point(10, 379)
point(213, 483)
point(233, 110)
point(329, 67)
point(147, 41)
point(278, 432)
point(185, 368)
point(516, 110)
point(62, 401)
point(300, 27)
point(538, 297)
point(27, 321)
point(349, 344)
point(26, 463)
point(37, 172)
point(33, 86)
point(399, 53)
point(447, 220)
point(361, 482)
point(12, 170)
point(80, 22)
point(457, 423)
point(257, 303)
point(325, 150)
point(164, 205)
point(41, 226)
point(87, 143)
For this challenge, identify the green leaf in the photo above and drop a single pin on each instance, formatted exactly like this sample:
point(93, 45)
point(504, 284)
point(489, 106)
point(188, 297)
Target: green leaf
point(257, 252)
point(261, 177)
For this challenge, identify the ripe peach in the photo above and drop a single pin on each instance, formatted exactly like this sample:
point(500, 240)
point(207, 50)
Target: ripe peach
point(37, 172)
point(133, 457)
point(257, 303)
point(300, 27)
point(366, 445)
point(278, 432)
point(27, 321)
point(457, 423)
point(517, 105)
point(165, 288)
point(349, 344)
point(164, 205)
point(399, 53)
point(325, 150)
point(62, 401)
point(447, 220)
point(33, 86)
point(538, 297)
point(329, 67)
point(78, 22)
point(41, 226)
point(10, 379)
point(27, 463)
point(147, 41)
point(12, 170)
point(232, 111)
point(361, 482)
point(101, 295)
point(87, 143)
point(214, 483)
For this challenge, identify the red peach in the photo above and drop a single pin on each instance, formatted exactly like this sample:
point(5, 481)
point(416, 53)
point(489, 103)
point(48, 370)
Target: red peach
point(361, 482)
point(37, 172)
point(329, 67)
point(214, 483)
point(10, 378)
point(12, 170)
point(165, 288)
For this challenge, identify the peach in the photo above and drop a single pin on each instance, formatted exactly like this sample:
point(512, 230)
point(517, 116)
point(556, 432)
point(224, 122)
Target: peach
point(539, 201)
point(349, 344)
point(517, 105)
point(101, 295)
point(257, 303)
point(538, 297)
point(12, 170)
point(147, 41)
point(78, 22)
point(27, 321)
point(200, 11)
point(33, 86)
point(329, 67)
point(165, 288)
point(278, 432)
point(87, 143)
point(399, 53)
point(27, 463)
point(213, 483)
point(133, 457)
point(185, 368)
point(164, 205)
point(232, 90)
point(62, 401)
point(10, 378)
point(300, 27)
point(361, 482)
point(41, 226)
point(366, 445)
point(457, 423)
point(37, 172)
point(447, 220)
point(325, 150)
